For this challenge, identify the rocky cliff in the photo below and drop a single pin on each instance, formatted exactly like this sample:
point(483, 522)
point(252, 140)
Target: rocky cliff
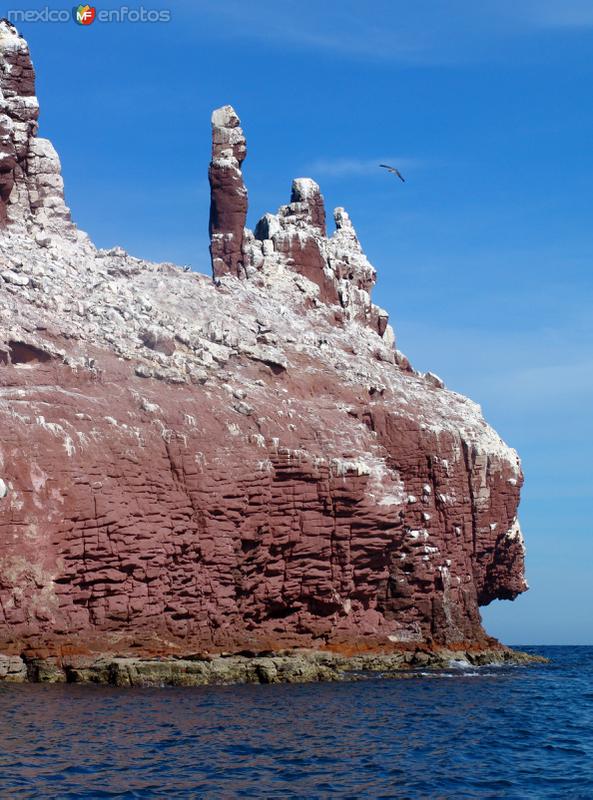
point(191, 465)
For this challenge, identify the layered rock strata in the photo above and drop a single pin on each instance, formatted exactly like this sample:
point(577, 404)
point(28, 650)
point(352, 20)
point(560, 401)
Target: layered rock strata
point(191, 466)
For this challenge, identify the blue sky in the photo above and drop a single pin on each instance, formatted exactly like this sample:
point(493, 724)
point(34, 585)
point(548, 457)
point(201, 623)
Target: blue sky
point(484, 255)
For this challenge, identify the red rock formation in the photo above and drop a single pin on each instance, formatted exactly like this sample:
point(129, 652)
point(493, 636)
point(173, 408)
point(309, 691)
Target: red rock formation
point(189, 467)
point(31, 186)
point(18, 117)
point(228, 196)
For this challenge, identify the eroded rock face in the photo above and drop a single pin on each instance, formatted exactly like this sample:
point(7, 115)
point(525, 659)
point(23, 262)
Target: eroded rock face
point(228, 196)
point(31, 185)
point(189, 466)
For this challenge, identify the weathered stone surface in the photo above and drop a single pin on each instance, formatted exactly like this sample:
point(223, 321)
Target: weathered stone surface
point(13, 669)
point(31, 185)
point(189, 466)
point(297, 666)
point(337, 271)
point(228, 196)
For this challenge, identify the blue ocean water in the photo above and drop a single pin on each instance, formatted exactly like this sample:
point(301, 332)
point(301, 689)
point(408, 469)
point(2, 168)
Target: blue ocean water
point(509, 732)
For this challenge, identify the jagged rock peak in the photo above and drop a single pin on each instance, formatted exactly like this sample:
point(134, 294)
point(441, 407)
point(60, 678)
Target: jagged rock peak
point(228, 141)
point(31, 185)
point(18, 110)
point(228, 195)
point(17, 77)
point(343, 222)
point(295, 238)
point(306, 196)
point(292, 240)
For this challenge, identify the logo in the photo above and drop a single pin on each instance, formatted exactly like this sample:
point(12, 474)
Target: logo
point(84, 15)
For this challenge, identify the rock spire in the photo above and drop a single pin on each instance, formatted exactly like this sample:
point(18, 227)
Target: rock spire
point(228, 196)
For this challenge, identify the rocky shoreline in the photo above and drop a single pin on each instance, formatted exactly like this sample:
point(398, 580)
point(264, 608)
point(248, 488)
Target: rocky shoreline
point(303, 666)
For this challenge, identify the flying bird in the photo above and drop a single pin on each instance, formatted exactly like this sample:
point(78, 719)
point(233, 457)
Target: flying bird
point(394, 171)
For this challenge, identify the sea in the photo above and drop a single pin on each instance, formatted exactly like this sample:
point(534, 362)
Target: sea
point(505, 732)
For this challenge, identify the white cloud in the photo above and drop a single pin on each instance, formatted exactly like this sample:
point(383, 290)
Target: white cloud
point(345, 29)
point(422, 33)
